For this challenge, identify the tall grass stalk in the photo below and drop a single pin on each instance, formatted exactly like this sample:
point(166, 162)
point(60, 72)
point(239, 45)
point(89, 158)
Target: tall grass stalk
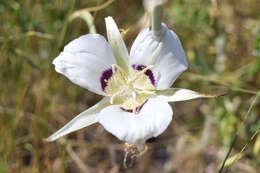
point(65, 26)
point(237, 132)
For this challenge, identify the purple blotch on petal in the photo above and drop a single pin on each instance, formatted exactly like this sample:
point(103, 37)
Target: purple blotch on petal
point(148, 72)
point(138, 109)
point(106, 75)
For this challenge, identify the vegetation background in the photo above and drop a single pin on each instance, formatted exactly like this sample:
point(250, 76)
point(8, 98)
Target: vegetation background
point(222, 42)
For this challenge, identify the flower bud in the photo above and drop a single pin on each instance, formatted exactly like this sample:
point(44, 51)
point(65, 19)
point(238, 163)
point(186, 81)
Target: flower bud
point(149, 5)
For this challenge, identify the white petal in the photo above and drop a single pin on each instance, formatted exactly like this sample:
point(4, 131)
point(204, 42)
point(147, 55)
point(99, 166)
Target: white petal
point(165, 53)
point(178, 94)
point(82, 120)
point(118, 45)
point(83, 61)
point(151, 121)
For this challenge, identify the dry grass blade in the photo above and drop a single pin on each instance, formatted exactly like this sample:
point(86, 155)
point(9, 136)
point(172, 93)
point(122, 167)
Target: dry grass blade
point(40, 35)
point(99, 7)
point(87, 17)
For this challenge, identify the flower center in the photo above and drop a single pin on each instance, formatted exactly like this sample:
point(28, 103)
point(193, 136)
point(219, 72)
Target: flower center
point(130, 91)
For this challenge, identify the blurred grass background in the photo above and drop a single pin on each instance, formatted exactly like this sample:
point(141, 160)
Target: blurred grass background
point(222, 42)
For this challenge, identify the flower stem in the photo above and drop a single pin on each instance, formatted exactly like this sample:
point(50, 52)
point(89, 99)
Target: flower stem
point(157, 15)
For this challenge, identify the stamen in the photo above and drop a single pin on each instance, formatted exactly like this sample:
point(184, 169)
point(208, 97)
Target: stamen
point(139, 91)
point(115, 95)
point(120, 70)
point(148, 72)
point(114, 77)
point(134, 103)
point(122, 89)
point(114, 68)
point(140, 73)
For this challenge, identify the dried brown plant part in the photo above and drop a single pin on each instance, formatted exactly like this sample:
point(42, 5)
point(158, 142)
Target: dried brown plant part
point(132, 152)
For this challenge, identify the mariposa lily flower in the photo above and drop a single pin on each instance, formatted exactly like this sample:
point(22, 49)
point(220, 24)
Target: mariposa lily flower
point(136, 87)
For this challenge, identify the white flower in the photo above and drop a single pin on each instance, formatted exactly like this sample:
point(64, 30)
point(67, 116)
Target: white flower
point(136, 87)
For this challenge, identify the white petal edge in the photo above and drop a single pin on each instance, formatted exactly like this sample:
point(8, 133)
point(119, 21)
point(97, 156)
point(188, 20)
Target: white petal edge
point(165, 53)
point(83, 61)
point(84, 119)
point(117, 43)
point(179, 94)
point(151, 121)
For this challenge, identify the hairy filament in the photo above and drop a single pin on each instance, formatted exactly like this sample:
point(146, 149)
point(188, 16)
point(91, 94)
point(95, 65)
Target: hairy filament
point(115, 95)
point(134, 103)
point(139, 73)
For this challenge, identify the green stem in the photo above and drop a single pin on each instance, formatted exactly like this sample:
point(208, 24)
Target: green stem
point(228, 153)
point(249, 110)
point(65, 26)
point(157, 15)
point(243, 90)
